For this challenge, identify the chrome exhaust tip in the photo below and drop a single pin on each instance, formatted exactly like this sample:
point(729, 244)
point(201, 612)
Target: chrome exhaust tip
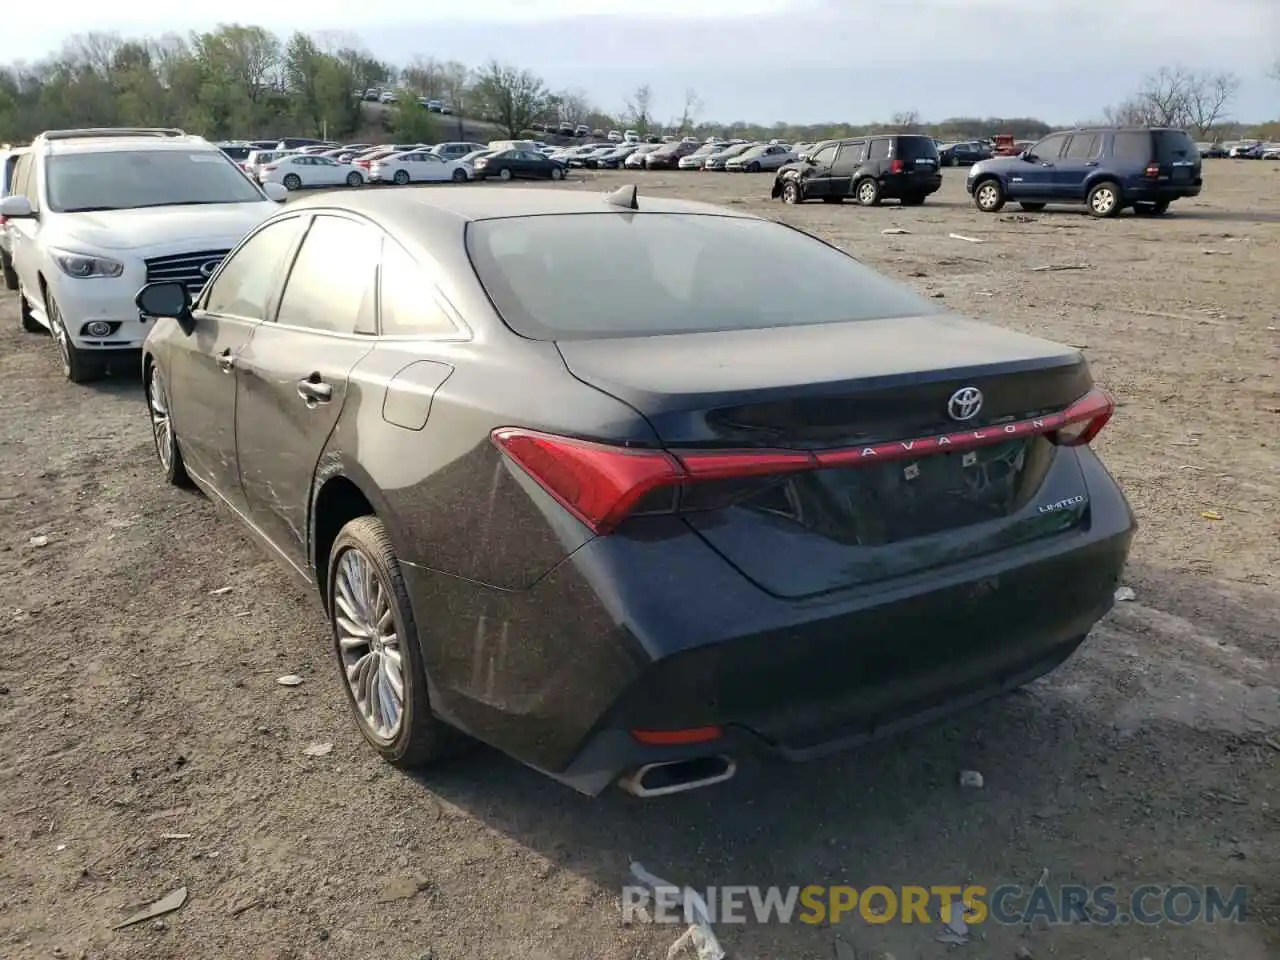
point(678, 776)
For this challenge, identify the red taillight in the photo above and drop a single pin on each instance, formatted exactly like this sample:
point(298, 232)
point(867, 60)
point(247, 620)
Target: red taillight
point(269, 167)
point(671, 738)
point(896, 166)
point(1084, 419)
point(602, 484)
point(1153, 170)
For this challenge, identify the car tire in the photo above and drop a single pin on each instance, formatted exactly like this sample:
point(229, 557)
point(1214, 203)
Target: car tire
point(78, 366)
point(988, 195)
point(28, 319)
point(1104, 200)
point(867, 192)
point(912, 200)
point(557, 173)
point(791, 192)
point(401, 177)
point(365, 588)
point(355, 180)
point(166, 441)
point(504, 173)
point(459, 176)
point(1157, 209)
point(10, 275)
point(753, 166)
point(292, 182)
point(1031, 207)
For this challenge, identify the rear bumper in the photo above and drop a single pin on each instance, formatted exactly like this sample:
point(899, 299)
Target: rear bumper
point(896, 185)
point(1162, 190)
point(659, 633)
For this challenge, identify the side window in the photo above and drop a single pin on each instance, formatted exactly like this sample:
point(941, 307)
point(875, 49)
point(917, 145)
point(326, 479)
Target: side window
point(406, 306)
point(244, 286)
point(879, 150)
point(825, 155)
point(331, 285)
point(852, 154)
point(427, 158)
point(1050, 147)
point(1083, 146)
point(1132, 145)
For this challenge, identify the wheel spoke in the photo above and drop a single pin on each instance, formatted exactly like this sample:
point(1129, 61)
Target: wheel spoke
point(365, 627)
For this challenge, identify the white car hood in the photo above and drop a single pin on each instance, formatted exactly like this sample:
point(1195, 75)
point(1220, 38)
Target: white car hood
point(156, 226)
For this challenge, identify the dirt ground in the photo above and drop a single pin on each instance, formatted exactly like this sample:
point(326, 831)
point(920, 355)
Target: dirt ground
point(145, 744)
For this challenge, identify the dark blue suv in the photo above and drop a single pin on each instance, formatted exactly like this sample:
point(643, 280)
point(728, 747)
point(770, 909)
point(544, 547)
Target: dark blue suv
point(1105, 168)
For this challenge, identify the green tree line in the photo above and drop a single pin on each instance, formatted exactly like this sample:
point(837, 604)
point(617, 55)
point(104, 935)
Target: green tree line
point(243, 81)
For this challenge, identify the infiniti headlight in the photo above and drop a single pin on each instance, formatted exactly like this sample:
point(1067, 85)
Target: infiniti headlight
point(84, 266)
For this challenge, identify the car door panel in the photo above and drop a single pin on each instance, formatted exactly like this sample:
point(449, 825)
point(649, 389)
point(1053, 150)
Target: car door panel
point(292, 380)
point(849, 158)
point(1033, 179)
point(203, 364)
point(1077, 162)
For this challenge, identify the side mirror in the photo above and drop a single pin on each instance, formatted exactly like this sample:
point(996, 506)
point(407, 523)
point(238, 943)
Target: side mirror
point(165, 298)
point(16, 208)
point(275, 191)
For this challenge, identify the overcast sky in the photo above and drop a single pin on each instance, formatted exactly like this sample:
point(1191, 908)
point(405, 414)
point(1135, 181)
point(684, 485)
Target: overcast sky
point(766, 60)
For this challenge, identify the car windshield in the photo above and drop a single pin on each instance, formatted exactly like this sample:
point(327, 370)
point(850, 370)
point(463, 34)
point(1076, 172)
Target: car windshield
point(665, 273)
point(128, 179)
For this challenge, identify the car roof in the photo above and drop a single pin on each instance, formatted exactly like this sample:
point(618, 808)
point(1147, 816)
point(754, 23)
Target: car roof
point(414, 211)
point(119, 144)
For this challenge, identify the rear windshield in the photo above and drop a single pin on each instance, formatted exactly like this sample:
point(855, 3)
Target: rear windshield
point(236, 153)
point(592, 276)
point(916, 148)
point(1174, 145)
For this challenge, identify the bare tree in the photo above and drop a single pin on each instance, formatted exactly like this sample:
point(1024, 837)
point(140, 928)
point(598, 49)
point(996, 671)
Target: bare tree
point(572, 106)
point(689, 115)
point(423, 76)
point(1178, 97)
point(639, 109)
point(905, 121)
point(455, 81)
point(512, 97)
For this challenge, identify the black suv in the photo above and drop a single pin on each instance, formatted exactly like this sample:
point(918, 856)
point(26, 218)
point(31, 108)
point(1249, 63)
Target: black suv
point(1105, 168)
point(869, 169)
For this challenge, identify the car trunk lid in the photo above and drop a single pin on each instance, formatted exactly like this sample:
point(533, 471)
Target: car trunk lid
point(909, 473)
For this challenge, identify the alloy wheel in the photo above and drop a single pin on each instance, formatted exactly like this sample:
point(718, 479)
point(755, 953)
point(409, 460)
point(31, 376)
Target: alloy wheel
point(1103, 200)
point(369, 645)
point(988, 195)
point(161, 425)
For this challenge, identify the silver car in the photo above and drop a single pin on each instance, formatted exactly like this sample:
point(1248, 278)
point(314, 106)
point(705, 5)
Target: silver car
point(766, 156)
point(717, 160)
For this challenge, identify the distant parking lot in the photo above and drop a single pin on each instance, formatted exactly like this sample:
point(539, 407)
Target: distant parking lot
point(145, 743)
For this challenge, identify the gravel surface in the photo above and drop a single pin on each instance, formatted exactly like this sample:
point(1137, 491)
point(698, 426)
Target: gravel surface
point(145, 744)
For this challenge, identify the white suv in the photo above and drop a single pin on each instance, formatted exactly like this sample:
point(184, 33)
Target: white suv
point(93, 215)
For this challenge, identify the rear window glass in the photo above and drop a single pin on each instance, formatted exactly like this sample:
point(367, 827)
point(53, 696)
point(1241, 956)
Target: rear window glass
point(236, 153)
point(591, 276)
point(916, 148)
point(1174, 145)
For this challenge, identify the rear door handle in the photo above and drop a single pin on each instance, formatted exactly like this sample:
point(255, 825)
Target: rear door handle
point(314, 390)
point(1092, 163)
point(226, 360)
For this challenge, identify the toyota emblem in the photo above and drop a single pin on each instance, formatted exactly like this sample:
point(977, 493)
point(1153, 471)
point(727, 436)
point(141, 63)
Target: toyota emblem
point(965, 403)
point(207, 268)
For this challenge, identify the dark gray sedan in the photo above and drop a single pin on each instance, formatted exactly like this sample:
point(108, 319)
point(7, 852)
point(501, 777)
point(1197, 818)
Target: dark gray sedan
point(767, 502)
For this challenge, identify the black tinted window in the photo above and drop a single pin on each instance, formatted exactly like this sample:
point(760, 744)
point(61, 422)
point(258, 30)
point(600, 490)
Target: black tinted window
point(1084, 146)
point(916, 148)
point(244, 286)
point(331, 285)
point(879, 150)
point(128, 179)
point(236, 153)
point(1174, 145)
point(671, 273)
point(1050, 147)
point(1132, 145)
point(406, 304)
